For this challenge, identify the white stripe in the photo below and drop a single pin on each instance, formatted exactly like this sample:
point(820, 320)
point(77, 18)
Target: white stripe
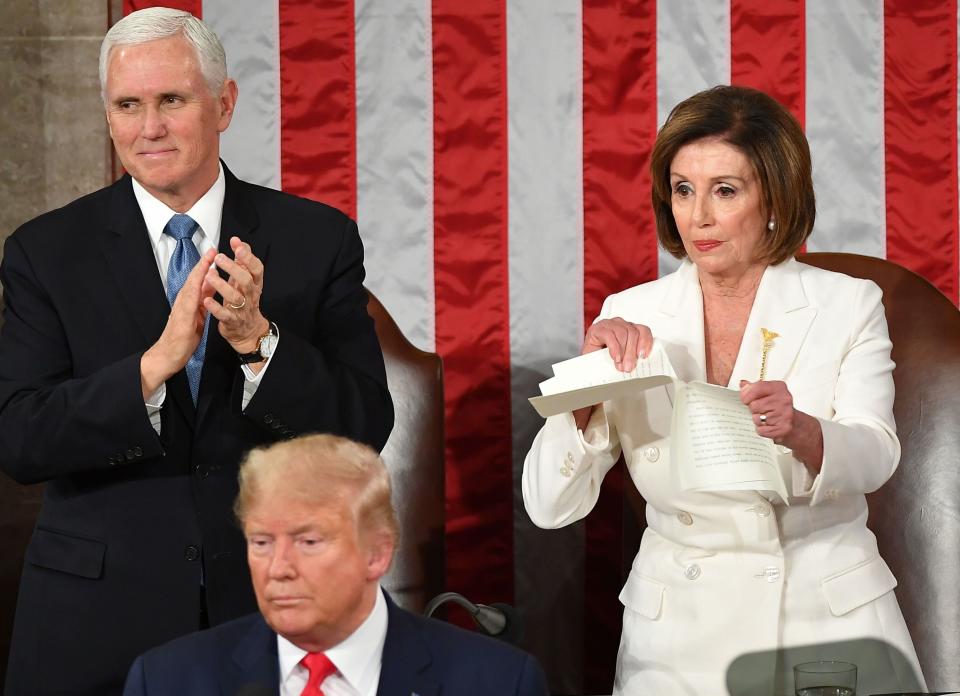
point(545, 150)
point(844, 122)
point(693, 53)
point(249, 30)
point(394, 58)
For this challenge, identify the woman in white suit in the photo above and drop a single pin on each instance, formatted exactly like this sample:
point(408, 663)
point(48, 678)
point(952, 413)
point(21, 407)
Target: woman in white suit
point(720, 575)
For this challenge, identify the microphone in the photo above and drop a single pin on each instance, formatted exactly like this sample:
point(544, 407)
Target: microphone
point(498, 620)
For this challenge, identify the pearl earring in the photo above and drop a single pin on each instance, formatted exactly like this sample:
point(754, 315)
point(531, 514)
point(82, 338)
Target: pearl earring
point(771, 225)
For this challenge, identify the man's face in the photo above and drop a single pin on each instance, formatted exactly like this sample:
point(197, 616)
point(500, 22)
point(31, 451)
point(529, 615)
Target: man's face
point(314, 575)
point(164, 121)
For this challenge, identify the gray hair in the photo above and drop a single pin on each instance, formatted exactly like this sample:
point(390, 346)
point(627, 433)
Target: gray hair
point(155, 23)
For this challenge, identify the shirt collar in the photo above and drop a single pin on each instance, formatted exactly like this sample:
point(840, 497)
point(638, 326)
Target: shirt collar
point(354, 657)
point(206, 212)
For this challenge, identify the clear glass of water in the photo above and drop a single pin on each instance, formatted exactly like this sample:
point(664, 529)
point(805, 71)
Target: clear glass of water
point(825, 678)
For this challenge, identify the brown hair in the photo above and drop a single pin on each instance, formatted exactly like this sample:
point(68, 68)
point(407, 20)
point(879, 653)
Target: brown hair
point(770, 138)
point(322, 470)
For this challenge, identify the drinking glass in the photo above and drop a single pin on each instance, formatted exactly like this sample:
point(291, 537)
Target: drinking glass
point(825, 678)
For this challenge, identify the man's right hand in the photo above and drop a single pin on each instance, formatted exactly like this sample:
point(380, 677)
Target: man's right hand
point(181, 335)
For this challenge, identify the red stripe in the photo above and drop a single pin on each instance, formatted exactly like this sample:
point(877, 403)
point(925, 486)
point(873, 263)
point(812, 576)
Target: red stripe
point(194, 7)
point(619, 250)
point(471, 290)
point(318, 124)
point(920, 130)
point(768, 49)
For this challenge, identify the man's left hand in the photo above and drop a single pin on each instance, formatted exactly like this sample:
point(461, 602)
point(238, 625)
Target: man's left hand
point(241, 322)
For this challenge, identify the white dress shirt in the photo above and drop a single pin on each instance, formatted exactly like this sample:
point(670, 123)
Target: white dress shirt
point(358, 659)
point(207, 213)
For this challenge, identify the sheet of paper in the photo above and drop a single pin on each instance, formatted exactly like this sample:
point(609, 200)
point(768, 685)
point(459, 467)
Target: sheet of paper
point(715, 445)
point(598, 367)
point(573, 399)
point(593, 378)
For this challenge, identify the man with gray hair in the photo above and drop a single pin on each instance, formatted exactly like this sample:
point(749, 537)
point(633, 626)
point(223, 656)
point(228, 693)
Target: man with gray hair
point(321, 530)
point(154, 331)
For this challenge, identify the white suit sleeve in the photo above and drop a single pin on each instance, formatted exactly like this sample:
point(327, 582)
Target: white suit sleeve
point(860, 446)
point(564, 468)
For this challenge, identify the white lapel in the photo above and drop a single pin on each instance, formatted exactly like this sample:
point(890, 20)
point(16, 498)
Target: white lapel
point(781, 306)
point(681, 323)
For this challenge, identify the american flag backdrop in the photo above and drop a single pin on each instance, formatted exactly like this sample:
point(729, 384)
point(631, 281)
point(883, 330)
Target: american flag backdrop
point(495, 155)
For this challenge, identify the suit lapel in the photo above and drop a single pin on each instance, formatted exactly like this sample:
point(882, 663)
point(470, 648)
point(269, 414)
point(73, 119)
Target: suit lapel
point(781, 306)
point(682, 324)
point(239, 219)
point(254, 661)
point(130, 258)
point(406, 658)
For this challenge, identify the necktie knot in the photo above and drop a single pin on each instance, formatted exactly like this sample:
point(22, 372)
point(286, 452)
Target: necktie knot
point(320, 668)
point(180, 227)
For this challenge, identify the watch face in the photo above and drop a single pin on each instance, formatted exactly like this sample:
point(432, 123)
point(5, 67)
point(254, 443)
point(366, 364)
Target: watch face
point(268, 344)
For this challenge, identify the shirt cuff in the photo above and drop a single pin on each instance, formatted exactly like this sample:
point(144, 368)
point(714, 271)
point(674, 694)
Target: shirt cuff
point(805, 484)
point(595, 437)
point(251, 379)
point(154, 403)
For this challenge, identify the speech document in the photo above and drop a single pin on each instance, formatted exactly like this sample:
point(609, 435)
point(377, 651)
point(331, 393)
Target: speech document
point(714, 442)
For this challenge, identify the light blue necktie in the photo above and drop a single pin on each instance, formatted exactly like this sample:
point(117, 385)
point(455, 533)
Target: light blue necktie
point(185, 256)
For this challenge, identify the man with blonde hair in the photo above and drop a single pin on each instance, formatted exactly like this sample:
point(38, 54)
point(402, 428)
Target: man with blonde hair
point(154, 331)
point(321, 531)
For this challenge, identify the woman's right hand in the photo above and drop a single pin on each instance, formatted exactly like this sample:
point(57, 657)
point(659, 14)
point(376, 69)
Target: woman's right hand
point(627, 343)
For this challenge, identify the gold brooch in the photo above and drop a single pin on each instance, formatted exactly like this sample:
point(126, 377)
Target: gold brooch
point(768, 337)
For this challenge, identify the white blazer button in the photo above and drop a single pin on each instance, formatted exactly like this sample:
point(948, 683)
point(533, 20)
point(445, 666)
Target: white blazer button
point(691, 572)
point(570, 457)
point(770, 574)
point(763, 510)
point(652, 453)
point(685, 518)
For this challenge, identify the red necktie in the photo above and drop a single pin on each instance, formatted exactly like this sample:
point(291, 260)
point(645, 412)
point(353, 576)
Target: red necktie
point(320, 668)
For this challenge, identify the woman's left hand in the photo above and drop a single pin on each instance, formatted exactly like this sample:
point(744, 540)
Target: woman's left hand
point(771, 405)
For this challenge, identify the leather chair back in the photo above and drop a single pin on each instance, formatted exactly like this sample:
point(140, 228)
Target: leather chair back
point(414, 456)
point(916, 515)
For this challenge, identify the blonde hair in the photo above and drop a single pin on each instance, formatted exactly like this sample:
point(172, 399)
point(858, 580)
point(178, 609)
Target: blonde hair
point(322, 470)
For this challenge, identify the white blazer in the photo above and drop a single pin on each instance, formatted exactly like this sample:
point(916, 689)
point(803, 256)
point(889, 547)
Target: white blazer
point(719, 575)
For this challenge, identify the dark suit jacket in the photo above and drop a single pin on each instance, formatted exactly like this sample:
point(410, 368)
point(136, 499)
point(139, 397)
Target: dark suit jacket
point(129, 517)
point(420, 656)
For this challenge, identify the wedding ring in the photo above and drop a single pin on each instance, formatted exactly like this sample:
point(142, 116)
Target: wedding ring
point(763, 419)
point(243, 303)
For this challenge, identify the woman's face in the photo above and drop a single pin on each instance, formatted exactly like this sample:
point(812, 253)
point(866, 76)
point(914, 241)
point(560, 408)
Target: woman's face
point(717, 205)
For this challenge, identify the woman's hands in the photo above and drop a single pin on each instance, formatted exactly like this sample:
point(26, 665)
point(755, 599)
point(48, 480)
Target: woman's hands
point(771, 404)
point(627, 343)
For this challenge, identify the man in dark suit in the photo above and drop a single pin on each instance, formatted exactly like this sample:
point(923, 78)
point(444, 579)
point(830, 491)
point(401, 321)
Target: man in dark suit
point(321, 530)
point(154, 332)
